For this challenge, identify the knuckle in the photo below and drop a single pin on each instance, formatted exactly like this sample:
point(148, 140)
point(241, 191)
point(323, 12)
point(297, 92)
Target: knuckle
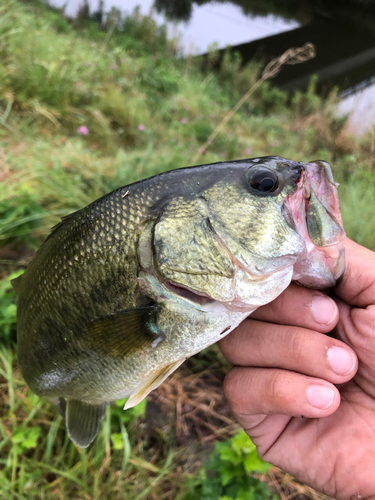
point(258, 391)
point(297, 343)
point(274, 385)
point(286, 301)
point(232, 389)
point(241, 389)
point(359, 328)
point(225, 344)
point(280, 390)
point(277, 306)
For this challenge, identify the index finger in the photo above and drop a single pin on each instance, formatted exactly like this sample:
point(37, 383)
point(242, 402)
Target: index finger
point(358, 284)
point(298, 306)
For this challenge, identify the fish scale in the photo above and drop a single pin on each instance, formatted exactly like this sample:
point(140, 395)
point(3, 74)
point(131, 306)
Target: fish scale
point(124, 290)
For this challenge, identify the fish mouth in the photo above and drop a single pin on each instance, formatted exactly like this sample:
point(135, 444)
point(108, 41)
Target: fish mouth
point(313, 211)
point(187, 293)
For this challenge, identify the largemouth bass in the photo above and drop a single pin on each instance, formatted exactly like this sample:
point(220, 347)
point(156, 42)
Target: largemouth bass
point(124, 290)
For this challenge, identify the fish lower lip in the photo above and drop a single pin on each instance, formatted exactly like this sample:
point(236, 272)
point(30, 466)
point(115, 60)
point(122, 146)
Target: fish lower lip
point(340, 278)
point(340, 267)
point(186, 293)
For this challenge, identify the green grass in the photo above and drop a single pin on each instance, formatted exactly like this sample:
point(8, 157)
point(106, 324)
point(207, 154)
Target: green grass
point(147, 110)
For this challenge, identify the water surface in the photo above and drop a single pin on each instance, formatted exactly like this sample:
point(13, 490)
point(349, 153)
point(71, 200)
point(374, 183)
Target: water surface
point(221, 23)
point(225, 24)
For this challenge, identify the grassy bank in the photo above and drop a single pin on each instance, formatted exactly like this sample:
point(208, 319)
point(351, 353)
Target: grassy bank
point(145, 110)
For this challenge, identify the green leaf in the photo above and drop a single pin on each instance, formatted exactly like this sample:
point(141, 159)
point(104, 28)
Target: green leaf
point(253, 462)
point(27, 437)
point(140, 409)
point(117, 440)
point(227, 453)
point(120, 403)
point(11, 311)
point(226, 476)
point(242, 442)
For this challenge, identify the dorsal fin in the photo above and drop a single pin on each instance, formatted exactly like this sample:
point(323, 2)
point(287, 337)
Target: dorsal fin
point(63, 220)
point(17, 284)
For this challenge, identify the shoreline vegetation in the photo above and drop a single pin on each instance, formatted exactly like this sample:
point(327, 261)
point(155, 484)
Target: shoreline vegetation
point(86, 107)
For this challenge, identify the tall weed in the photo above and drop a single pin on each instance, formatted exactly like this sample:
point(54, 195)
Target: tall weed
point(8, 310)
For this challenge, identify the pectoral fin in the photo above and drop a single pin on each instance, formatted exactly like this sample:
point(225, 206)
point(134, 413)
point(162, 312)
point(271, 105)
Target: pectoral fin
point(124, 333)
point(83, 421)
point(151, 383)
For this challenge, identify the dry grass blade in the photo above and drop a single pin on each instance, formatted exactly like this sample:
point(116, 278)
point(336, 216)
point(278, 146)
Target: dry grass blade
point(198, 404)
point(289, 488)
point(290, 56)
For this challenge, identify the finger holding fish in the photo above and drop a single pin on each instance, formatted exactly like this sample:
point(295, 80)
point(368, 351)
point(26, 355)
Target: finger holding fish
point(298, 350)
point(299, 306)
point(282, 345)
point(254, 393)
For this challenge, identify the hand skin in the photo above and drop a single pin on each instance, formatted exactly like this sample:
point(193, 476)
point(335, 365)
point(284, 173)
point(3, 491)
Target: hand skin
point(281, 352)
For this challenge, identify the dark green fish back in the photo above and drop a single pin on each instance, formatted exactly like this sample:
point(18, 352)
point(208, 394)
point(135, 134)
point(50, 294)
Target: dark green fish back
point(86, 269)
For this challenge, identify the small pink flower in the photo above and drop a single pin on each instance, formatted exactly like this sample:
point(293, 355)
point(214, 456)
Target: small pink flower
point(248, 151)
point(83, 130)
point(184, 120)
point(141, 127)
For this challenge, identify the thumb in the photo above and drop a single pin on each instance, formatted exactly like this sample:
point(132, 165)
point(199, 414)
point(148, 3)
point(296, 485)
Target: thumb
point(357, 287)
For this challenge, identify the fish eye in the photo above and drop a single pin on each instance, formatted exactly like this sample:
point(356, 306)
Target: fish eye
point(263, 180)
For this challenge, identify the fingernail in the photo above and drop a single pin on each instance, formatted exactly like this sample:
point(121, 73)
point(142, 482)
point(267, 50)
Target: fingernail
point(320, 396)
point(323, 310)
point(341, 360)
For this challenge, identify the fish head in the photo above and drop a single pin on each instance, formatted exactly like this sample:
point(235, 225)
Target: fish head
point(239, 232)
point(314, 212)
point(283, 213)
point(307, 196)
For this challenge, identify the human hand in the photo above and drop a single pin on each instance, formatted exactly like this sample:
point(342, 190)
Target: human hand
point(285, 372)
